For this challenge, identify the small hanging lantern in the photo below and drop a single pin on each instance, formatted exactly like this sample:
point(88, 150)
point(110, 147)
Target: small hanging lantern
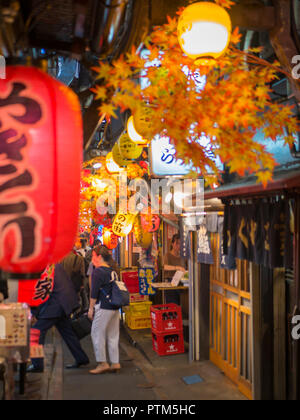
point(111, 166)
point(129, 149)
point(142, 121)
point(150, 222)
point(117, 157)
point(135, 137)
point(123, 224)
point(143, 238)
point(204, 31)
point(110, 240)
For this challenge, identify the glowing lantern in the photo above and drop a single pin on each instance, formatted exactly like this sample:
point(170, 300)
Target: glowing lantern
point(143, 238)
point(110, 240)
point(111, 166)
point(150, 222)
point(41, 148)
point(142, 121)
point(128, 149)
point(117, 157)
point(123, 224)
point(134, 135)
point(204, 31)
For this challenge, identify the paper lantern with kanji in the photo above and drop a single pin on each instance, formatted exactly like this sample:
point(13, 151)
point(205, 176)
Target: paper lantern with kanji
point(110, 240)
point(123, 224)
point(142, 120)
point(40, 164)
point(129, 149)
point(117, 157)
point(143, 238)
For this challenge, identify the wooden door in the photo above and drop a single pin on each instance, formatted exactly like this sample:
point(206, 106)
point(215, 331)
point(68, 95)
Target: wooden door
point(230, 321)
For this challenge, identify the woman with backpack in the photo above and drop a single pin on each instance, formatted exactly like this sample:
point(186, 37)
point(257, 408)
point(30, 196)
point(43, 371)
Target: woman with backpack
point(105, 316)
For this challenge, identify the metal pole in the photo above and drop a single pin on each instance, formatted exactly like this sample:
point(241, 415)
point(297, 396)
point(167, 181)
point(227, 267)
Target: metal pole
point(191, 300)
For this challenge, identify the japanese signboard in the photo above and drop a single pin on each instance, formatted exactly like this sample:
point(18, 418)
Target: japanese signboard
point(163, 159)
point(146, 278)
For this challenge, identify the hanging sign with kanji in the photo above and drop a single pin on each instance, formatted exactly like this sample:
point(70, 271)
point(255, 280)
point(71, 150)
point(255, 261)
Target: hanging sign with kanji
point(146, 278)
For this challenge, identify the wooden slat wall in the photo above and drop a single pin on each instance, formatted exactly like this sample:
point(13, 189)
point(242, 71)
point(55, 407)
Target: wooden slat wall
point(230, 320)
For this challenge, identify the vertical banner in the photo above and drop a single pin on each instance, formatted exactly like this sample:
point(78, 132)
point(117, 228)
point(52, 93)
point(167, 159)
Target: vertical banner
point(204, 251)
point(225, 261)
point(146, 278)
point(185, 245)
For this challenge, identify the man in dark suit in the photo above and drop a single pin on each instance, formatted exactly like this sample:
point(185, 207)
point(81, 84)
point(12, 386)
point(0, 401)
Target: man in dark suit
point(55, 312)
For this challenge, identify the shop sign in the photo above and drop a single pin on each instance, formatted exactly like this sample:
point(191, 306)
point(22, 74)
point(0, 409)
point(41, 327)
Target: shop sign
point(163, 159)
point(146, 278)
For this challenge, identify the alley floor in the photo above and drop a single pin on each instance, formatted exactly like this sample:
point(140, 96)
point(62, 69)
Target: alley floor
point(146, 376)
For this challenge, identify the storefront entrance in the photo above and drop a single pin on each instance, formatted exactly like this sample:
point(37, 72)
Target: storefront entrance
point(230, 321)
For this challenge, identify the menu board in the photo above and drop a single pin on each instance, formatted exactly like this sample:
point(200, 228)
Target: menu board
point(13, 325)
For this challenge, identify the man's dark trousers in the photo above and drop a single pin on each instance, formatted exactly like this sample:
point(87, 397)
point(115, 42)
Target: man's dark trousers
point(64, 327)
point(56, 312)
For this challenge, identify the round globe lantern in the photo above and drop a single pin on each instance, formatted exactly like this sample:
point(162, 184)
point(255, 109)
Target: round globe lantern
point(204, 31)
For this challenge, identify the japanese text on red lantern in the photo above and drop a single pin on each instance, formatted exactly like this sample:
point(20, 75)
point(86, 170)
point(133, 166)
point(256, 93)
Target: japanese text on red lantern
point(16, 175)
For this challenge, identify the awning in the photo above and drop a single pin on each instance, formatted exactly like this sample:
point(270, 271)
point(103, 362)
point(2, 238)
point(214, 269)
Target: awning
point(282, 180)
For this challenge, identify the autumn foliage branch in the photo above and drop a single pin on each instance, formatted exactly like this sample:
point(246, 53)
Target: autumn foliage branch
point(229, 102)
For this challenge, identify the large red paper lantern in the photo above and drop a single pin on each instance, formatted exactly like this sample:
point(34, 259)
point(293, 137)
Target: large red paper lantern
point(40, 163)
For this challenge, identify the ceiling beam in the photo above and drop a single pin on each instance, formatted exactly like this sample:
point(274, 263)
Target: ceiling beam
point(283, 43)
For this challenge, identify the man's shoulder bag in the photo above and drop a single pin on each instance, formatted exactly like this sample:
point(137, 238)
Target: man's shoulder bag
point(81, 326)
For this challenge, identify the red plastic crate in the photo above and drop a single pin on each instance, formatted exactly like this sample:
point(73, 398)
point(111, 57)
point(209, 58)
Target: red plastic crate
point(166, 318)
point(166, 344)
point(131, 279)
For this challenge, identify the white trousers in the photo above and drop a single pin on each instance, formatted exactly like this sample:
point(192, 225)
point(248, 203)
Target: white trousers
point(106, 331)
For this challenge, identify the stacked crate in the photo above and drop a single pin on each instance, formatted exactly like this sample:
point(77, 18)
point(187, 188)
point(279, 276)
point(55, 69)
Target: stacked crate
point(167, 329)
point(131, 280)
point(137, 315)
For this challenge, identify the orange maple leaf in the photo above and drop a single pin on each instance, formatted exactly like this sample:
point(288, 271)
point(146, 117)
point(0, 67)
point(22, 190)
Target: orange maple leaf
point(108, 110)
point(236, 36)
